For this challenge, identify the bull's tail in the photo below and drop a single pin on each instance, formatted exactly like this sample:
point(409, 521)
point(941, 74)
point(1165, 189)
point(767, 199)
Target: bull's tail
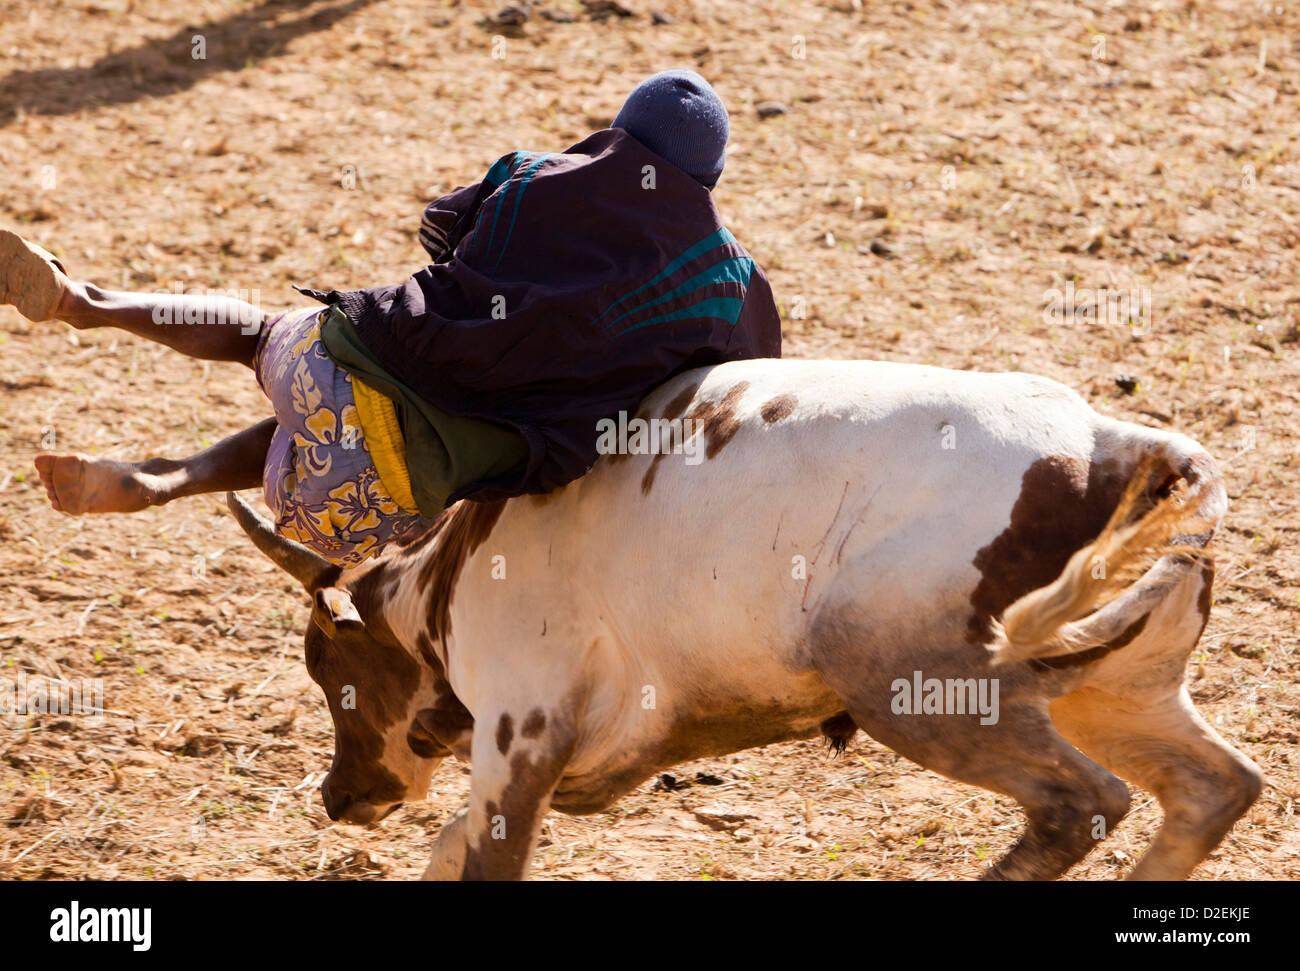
point(1103, 592)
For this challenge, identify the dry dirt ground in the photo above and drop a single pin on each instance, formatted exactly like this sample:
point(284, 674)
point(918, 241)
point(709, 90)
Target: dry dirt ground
point(937, 168)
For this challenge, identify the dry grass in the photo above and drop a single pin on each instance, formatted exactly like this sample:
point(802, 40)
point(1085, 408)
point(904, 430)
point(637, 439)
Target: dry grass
point(940, 167)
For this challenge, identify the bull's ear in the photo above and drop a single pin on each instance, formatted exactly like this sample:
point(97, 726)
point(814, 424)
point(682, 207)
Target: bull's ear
point(335, 611)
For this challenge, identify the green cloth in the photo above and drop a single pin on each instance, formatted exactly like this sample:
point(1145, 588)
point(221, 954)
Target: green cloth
point(444, 452)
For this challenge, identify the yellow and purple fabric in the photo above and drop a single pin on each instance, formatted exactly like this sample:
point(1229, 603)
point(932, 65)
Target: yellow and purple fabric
point(336, 477)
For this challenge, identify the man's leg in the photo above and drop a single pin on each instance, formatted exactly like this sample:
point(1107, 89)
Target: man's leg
point(79, 484)
point(213, 328)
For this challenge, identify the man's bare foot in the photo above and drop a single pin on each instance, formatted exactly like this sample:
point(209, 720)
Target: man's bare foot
point(78, 484)
point(31, 279)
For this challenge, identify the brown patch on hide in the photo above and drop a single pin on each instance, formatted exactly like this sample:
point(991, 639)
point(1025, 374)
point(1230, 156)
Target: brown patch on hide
point(779, 408)
point(1064, 504)
point(673, 411)
point(677, 407)
point(505, 733)
point(719, 418)
point(456, 534)
point(504, 851)
point(717, 423)
point(439, 727)
point(436, 728)
point(533, 724)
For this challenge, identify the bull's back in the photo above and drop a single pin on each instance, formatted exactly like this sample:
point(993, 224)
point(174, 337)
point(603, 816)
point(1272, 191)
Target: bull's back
point(708, 566)
point(802, 470)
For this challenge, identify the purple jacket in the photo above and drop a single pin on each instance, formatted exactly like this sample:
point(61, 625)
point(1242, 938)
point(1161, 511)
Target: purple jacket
point(566, 287)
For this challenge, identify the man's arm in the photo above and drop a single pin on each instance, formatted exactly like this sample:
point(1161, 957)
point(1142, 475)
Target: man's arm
point(446, 220)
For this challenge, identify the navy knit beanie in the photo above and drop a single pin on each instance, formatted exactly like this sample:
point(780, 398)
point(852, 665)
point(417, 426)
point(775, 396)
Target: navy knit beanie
point(678, 115)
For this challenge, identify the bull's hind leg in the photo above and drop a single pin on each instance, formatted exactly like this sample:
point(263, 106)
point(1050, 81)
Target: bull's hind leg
point(1134, 716)
point(1203, 784)
point(1069, 800)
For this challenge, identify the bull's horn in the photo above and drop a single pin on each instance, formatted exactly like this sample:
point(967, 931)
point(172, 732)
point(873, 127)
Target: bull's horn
point(309, 569)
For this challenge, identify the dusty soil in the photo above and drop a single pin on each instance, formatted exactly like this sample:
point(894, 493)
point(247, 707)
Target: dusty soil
point(936, 169)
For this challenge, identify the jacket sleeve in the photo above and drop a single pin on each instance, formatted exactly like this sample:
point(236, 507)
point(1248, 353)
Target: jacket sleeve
point(446, 221)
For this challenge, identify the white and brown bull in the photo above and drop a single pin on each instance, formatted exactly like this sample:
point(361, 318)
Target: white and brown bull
point(852, 527)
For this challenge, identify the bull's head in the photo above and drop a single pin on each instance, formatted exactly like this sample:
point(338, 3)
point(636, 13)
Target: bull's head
point(394, 715)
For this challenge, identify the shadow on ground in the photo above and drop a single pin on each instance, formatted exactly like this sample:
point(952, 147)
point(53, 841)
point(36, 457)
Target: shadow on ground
point(168, 64)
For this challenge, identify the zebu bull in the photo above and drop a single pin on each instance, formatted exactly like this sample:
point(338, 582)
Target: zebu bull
point(851, 524)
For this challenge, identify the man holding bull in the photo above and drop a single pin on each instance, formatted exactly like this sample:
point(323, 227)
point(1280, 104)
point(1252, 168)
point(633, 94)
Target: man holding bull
point(563, 288)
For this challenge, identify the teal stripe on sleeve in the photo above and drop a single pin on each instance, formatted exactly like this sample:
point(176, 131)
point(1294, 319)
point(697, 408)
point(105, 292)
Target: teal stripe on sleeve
point(724, 308)
point(501, 170)
point(509, 169)
point(519, 197)
point(719, 238)
point(734, 269)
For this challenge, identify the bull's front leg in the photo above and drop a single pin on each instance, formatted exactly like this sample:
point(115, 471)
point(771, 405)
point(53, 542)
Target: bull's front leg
point(517, 759)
